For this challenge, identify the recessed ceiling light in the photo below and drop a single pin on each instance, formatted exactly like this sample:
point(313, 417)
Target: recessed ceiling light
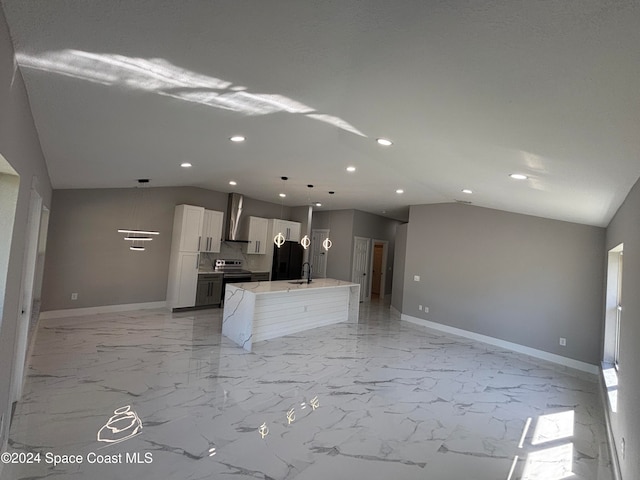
point(518, 176)
point(186, 165)
point(318, 204)
point(466, 190)
point(351, 169)
point(237, 138)
point(399, 190)
point(384, 141)
point(233, 182)
point(283, 195)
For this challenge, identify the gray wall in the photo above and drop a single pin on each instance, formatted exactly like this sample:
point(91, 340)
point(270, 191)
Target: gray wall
point(400, 253)
point(340, 222)
point(86, 254)
point(20, 146)
point(344, 225)
point(519, 278)
point(625, 228)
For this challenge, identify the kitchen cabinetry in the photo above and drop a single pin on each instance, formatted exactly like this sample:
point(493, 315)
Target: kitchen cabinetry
point(211, 231)
point(186, 279)
point(209, 290)
point(194, 230)
point(290, 230)
point(257, 235)
point(187, 228)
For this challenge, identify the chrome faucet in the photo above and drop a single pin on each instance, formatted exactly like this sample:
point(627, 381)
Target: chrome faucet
point(308, 271)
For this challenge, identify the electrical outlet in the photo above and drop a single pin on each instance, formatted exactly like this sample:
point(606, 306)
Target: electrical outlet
point(426, 309)
point(563, 341)
point(419, 307)
point(74, 296)
point(416, 278)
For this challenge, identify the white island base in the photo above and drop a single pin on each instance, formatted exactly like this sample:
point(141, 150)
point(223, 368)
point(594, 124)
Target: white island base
point(259, 311)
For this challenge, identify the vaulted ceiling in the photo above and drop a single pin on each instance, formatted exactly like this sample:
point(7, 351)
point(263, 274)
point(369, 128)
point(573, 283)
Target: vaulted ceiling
point(468, 92)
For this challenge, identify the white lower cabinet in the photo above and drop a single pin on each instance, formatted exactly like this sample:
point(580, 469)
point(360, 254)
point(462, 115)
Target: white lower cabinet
point(187, 284)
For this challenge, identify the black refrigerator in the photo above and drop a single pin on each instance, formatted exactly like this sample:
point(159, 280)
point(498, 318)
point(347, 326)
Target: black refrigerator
point(287, 262)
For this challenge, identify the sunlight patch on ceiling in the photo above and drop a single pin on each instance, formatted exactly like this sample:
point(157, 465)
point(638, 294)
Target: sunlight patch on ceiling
point(163, 78)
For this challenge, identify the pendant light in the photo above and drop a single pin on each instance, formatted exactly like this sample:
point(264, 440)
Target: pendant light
point(327, 243)
point(136, 236)
point(279, 239)
point(306, 241)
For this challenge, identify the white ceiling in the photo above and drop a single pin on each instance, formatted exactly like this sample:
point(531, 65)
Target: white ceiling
point(469, 91)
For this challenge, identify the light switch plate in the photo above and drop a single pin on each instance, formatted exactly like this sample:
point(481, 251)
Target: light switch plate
point(416, 278)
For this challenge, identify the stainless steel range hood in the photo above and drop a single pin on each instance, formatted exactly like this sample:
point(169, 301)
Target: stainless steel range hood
point(234, 218)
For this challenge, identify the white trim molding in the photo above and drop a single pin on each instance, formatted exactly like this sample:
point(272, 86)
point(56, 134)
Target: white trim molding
point(532, 352)
point(77, 312)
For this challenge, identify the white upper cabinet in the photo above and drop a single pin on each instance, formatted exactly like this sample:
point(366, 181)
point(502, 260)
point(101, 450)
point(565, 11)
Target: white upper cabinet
point(211, 231)
point(187, 227)
point(257, 236)
point(290, 230)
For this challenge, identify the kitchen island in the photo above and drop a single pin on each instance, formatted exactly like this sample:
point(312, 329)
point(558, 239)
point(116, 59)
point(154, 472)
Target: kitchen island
point(259, 311)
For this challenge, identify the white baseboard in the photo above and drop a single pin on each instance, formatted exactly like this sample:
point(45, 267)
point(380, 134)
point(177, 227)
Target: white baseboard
point(550, 357)
point(76, 312)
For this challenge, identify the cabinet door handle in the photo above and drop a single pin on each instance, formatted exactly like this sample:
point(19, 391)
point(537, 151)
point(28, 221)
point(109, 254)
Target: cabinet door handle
point(199, 238)
point(197, 262)
point(209, 243)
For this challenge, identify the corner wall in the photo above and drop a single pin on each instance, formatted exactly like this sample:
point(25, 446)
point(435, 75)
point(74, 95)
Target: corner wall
point(20, 146)
point(518, 278)
point(625, 228)
point(399, 266)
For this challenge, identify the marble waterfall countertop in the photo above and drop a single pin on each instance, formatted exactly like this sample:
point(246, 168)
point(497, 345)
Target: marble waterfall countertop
point(280, 286)
point(257, 311)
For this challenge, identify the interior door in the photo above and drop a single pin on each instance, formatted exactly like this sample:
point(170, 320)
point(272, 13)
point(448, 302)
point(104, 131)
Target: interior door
point(318, 253)
point(361, 265)
point(377, 268)
point(27, 289)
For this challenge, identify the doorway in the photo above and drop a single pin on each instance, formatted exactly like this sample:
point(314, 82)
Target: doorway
point(378, 269)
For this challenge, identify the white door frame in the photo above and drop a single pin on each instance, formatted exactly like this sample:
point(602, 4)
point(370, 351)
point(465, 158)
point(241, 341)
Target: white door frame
point(26, 292)
point(365, 293)
point(383, 275)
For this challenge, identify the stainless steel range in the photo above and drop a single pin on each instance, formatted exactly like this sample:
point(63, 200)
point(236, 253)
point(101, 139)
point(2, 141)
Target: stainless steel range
point(232, 272)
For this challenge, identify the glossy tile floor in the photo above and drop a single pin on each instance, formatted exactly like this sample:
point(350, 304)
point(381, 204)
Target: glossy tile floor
point(381, 399)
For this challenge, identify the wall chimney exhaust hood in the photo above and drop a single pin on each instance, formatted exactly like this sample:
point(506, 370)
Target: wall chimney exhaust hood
point(234, 218)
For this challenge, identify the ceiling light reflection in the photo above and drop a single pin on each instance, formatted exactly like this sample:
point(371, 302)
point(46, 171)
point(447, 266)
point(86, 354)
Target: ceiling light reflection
point(160, 76)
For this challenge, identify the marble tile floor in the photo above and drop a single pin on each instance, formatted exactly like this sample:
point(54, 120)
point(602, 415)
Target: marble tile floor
point(380, 399)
